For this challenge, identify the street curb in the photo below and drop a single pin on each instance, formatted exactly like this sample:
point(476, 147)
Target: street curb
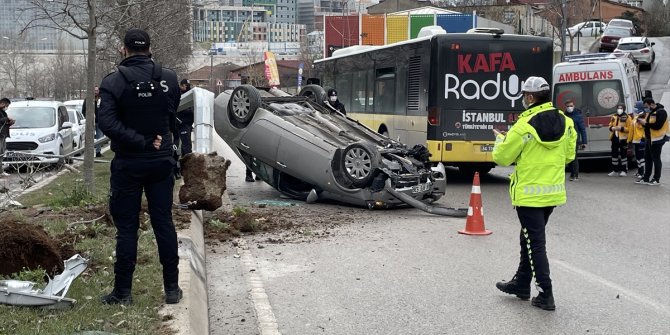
point(191, 315)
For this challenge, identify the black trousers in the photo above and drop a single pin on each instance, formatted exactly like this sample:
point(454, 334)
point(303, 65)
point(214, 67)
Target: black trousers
point(533, 262)
point(652, 157)
point(129, 178)
point(639, 158)
point(574, 165)
point(185, 137)
point(619, 155)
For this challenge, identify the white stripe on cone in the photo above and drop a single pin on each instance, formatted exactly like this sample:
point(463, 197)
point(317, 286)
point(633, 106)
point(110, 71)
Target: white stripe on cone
point(476, 189)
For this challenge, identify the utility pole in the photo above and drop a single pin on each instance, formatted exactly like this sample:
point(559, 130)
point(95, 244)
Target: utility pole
point(563, 28)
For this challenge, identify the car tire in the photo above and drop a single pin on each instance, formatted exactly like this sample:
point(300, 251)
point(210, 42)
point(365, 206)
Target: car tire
point(315, 93)
point(243, 103)
point(360, 164)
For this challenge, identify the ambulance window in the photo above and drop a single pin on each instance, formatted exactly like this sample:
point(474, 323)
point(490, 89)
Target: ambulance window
point(606, 95)
point(565, 92)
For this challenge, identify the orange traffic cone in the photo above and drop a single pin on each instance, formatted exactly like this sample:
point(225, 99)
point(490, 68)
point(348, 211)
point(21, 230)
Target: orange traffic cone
point(474, 224)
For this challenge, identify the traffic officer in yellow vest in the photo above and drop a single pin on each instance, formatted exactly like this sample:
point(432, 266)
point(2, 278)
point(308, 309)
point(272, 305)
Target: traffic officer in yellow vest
point(620, 125)
point(540, 144)
point(655, 124)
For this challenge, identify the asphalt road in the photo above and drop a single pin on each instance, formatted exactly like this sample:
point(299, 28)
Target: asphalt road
point(407, 272)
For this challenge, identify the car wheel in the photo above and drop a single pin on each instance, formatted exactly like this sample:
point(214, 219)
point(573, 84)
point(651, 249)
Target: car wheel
point(359, 164)
point(315, 93)
point(243, 104)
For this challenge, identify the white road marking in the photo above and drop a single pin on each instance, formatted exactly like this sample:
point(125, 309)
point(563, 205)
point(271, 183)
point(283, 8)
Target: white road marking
point(636, 297)
point(267, 323)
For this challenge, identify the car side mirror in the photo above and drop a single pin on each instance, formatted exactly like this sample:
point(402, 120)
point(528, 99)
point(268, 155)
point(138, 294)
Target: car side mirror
point(653, 43)
point(82, 122)
point(66, 125)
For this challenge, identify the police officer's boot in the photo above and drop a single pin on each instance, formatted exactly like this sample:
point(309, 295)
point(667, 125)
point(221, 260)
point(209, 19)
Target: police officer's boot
point(519, 286)
point(118, 296)
point(173, 293)
point(544, 300)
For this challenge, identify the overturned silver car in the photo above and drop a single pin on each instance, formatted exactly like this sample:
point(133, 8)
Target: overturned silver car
point(309, 151)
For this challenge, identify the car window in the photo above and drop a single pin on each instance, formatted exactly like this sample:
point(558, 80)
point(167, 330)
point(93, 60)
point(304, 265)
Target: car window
point(617, 32)
point(32, 117)
point(70, 113)
point(631, 46)
point(598, 97)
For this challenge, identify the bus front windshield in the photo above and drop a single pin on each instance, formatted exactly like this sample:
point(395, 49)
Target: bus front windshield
point(595, 98)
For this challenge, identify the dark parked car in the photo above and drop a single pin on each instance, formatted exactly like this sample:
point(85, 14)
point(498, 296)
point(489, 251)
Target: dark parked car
point(611, 37)
point(310, 152)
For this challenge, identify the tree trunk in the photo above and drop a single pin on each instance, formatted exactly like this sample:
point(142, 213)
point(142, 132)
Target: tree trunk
point(89, 151)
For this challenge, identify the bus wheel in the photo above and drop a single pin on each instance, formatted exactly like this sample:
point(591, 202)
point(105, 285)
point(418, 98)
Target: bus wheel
point(315, 93)
point(359, 164)
point(243, 104)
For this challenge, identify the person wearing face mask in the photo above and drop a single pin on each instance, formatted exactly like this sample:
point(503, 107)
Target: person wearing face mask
point(655, 123)
point(334, 102)
point(576, 115)
point(138, 106)
point(636, 137)
point(619, 125)
point(541, 142)
point(5, 123)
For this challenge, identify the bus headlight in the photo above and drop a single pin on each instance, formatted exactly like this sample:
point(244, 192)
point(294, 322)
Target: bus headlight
point(47, 138)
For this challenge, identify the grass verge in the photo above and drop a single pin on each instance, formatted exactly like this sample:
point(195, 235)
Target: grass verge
point(69, 214)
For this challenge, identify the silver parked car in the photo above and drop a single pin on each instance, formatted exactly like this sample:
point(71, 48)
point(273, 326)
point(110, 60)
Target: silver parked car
point(310, 152)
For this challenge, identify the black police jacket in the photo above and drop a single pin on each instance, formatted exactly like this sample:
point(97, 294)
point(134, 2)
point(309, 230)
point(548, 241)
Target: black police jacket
point(137, 103)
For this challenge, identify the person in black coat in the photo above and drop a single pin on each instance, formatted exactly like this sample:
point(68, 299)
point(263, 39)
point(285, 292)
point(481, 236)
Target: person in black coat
point(576, 115)
point(5, 123)
point(334, 102)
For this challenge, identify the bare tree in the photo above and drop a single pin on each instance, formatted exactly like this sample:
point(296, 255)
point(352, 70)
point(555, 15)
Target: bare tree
point(103, 23)
point(15, 60)
point(657, 18)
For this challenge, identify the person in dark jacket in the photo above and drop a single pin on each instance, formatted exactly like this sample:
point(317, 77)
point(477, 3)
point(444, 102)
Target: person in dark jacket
point(334, 102)
point(5, 123)
point(655, 124)
point(185, 123)
point(576, 115)
point(137, 112)
point(98, 132)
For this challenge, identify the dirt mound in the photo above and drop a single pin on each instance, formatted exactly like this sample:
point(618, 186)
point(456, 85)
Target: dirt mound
point(27, 245)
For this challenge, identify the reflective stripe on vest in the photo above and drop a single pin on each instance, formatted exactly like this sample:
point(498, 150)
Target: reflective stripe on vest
point(543, 189)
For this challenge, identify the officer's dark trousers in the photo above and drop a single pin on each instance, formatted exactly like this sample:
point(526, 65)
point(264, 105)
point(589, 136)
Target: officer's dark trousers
point(129, 177)
point(619, 155)
point(534, 262)
point(639, 158)
point(652, 157)
point(185, 136)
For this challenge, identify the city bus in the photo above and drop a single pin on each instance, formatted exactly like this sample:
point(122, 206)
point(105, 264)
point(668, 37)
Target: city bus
point(445, 91)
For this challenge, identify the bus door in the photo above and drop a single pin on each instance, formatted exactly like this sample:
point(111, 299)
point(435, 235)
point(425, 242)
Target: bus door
point(385, 117)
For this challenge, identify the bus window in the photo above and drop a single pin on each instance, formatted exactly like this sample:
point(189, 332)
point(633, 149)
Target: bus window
point(384, 96)
point(401, 90)
point(343, 86)
point(370, 91)
point(358, 92)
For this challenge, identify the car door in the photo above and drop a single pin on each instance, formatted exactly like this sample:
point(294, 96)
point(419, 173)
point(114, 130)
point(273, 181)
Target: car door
point(64, 133)
point(588, 29)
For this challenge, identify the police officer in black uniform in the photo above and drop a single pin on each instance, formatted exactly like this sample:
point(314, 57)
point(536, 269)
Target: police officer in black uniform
point(137, 112)
point(186, 119)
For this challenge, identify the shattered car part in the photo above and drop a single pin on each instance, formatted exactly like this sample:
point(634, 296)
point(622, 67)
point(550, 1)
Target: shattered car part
point(310, 152)
point(22, 293)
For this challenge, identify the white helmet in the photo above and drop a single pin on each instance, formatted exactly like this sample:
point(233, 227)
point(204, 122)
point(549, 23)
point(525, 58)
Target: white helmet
point(534, 84)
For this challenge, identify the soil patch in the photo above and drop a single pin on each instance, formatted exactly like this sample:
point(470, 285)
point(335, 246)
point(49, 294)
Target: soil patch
point(277, 224)
point(25, 245)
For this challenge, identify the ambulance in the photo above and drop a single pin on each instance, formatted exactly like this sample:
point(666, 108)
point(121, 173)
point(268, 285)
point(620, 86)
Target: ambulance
point(597, 83)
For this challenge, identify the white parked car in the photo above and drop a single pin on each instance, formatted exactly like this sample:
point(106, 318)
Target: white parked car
point(78, 127)
point(640, 48)
point(42, 128)
point(623, 23)
point(77, 105)
point(590, 28)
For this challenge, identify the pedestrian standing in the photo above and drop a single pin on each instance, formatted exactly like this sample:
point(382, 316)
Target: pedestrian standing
point(5, 123)
point(636, 137)
point(576, 115)
point(138, 113)
point(186, 119)
point(655, 123)
point(334, 102)
point(619, 125)
point(540, 143)
point(98, 133)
